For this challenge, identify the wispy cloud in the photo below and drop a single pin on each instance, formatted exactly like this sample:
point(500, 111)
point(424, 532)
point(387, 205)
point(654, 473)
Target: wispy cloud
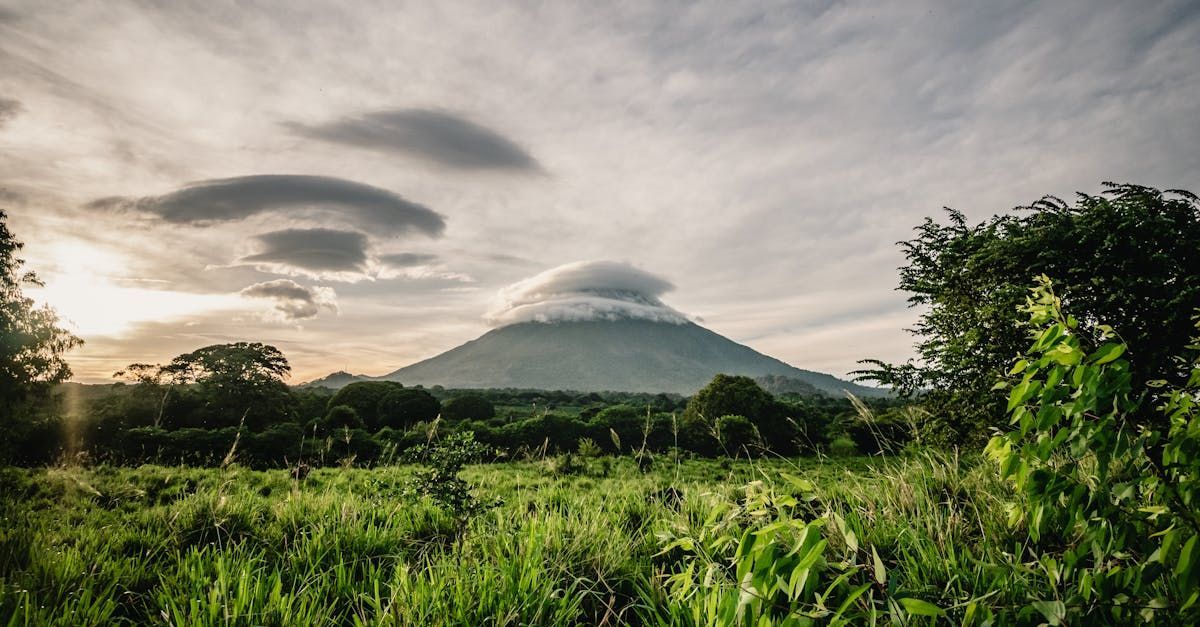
point(9, 109)
point(407, 260)
point(442, 137)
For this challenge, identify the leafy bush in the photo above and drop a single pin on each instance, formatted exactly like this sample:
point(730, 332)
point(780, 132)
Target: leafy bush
point(365, 398)
point(1110, 502)
point(1126, 257)
point(760, 563)
point(439, 479)
point(588, 448)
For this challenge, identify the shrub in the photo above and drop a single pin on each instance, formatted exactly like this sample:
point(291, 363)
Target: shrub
point(1109, 502)
point(589, 448)
point(439, 480)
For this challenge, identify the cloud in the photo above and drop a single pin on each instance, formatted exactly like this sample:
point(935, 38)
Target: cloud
point(437, 136)
point(11, 197)
point(407, 260)
point(9, 109)
point(585, 290)
point(319, 253)
point(293, 301)
point(223, 200)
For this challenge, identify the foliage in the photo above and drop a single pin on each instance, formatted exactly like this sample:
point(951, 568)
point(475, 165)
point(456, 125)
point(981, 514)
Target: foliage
point(403, 407)
point(439, 479)
point(366, 397)
point(468, 407)
point(1110, 502)
point(32, 345)
point(737, 435)
point(760, 563)
point(341, 417)
point(1129, 257)
point(217, 386)
point(741, 396)
point(588, 448)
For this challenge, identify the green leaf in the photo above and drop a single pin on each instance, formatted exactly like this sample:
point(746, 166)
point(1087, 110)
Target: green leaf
point(1187, 557)
point(917, 607)
point(880, 571)
point(1107, 353)
point(1054, 611)
point(1019, 367)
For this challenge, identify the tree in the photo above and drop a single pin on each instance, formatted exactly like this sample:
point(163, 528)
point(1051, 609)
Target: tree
point(469, 407)
point(342, 417)
point(365, 398)
point(403, 407)
point(741, 396)
point(1129, 256)
point(736, 435)
point(32, 344)
point(237, 383)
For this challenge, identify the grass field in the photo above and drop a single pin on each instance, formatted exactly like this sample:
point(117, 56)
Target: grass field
point(195, 546)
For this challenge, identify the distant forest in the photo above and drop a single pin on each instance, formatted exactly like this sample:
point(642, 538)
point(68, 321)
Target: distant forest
point(257, 420)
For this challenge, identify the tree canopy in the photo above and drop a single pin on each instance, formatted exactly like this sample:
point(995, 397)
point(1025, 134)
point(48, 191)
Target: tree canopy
point(1129, 256)
point(32, 344)
point(468, 407)
point(230, 383)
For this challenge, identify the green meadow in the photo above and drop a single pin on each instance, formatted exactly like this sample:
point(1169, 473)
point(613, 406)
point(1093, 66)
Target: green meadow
point(580, 544)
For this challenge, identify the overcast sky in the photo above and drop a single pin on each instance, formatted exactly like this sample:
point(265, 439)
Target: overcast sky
point(358, 183)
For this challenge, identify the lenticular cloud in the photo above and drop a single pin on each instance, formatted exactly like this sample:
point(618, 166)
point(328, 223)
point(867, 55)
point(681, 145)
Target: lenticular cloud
point(582, 291)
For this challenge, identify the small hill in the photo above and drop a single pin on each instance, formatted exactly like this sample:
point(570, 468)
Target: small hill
point(335, 380)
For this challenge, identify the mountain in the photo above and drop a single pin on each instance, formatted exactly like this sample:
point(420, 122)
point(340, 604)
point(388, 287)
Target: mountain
point(335, 380)
point(627, 355)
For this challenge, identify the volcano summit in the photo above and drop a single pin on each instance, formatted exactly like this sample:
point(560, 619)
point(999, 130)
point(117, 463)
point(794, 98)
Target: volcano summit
point(594, 326)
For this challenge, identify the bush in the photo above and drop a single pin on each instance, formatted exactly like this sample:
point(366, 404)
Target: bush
point(1110, 504)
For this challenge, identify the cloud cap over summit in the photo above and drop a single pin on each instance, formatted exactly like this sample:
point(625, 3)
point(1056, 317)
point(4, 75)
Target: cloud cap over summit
point(585, 291)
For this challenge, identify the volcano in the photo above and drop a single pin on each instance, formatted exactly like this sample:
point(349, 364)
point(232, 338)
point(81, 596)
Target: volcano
point(626, 355)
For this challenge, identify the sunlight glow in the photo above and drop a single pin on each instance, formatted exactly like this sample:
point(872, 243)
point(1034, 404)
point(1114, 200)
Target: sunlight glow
point(82, 290)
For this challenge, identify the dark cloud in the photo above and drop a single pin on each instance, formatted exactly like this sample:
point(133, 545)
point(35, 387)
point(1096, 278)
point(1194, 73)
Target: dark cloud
point(292, 300)
point(9, 109)
point(407, 260)
point(314, 251)
point(221, 200)
point(436, 136)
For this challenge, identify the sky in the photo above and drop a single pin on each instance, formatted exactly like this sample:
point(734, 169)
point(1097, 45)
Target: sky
point(368, 184)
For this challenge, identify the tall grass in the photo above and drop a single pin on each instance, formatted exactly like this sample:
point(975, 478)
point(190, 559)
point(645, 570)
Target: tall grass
point(238, 547)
